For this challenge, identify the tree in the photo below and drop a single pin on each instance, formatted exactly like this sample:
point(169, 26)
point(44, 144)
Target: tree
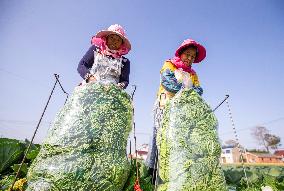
point(264, 138)
point(231, 142)
point(234, 143)
point(258, 133)
point(273, 141)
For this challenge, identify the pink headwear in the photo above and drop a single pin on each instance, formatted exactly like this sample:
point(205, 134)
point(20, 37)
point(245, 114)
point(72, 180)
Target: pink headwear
point(201, 51)
point(118, 30)
point(100, 40)
point(201, 54)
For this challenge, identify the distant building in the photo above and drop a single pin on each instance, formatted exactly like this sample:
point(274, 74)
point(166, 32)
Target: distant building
point(141, 152)
point(280, 153)
point(262, 158)
point(230, 154)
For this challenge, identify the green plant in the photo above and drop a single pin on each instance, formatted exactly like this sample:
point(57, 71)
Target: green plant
point(86, 145)
point(6, 181)
point(144, 177)
point(189, 147)
point(11, 151)
point(257, 177)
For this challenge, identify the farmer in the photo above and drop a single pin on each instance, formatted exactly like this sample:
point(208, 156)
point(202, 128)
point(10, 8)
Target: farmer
point(104, 61)
point(176, 73)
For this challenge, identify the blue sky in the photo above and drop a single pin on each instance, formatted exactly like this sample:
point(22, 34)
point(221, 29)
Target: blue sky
point(244, 42)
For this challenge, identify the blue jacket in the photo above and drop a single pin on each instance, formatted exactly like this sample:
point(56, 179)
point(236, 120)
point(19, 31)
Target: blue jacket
point(87, 62)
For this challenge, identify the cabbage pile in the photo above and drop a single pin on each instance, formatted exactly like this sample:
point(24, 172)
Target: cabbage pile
point(188, 144)
point(86, 146)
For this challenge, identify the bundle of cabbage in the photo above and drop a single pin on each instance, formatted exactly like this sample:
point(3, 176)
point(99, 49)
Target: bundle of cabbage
point(86, 146)
point(188, 144)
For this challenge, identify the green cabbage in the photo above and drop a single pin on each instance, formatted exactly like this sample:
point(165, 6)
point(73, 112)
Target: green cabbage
point(11, 151)
point(189, 149)
point(86, 146)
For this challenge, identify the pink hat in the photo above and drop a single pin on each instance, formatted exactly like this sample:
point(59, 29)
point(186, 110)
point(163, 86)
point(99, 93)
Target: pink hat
point(96, 41)
point(115, 29)
point(201, 51)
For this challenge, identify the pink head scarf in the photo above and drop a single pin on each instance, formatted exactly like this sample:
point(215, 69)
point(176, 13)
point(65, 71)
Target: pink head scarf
point(179, 64)
point(101, 43)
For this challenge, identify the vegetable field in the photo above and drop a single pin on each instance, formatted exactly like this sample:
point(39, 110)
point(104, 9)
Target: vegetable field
point(259, 175)
point(86, 150)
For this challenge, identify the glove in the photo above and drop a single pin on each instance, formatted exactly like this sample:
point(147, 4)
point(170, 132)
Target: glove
point(179, 75)
point(184, 78)
point(91, 79)
point(121, 85)
point(187, 82)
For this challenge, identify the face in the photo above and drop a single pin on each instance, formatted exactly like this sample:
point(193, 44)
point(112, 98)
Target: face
point(113, 41)
point(188, 55)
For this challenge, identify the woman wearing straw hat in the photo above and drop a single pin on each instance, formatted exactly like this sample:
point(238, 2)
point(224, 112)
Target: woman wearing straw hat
point(176, 73)
point(85, 146)
point(104, 61)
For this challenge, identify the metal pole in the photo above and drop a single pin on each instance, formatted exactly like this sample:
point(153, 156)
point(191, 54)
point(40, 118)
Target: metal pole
point(237, 140)
point(67, 95)
point(23, 160)
point(135, 139)
point(227, 96)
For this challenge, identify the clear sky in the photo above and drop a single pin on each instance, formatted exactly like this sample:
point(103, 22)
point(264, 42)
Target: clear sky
point(244, 42)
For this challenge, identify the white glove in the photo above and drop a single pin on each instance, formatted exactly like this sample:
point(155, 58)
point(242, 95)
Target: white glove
point(187, 82)
point(121, 85)
point(179, 75)
point(184, 78)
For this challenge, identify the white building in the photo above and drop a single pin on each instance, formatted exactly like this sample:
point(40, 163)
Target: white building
point(230, 154)
point(141, 152)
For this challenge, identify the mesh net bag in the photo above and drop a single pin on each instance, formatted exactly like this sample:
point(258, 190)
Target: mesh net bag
point(189, 148)
point(85, 148)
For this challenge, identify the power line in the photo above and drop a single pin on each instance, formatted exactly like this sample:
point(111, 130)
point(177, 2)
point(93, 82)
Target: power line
point(272, 121)
point(249, 128)
point(19, 121)
point(12, 74)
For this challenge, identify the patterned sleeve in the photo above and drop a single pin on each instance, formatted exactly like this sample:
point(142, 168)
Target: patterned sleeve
point(196, 84)
point(198, 89)
point(169, 81)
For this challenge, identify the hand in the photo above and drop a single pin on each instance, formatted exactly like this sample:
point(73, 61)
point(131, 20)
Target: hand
point(91, 79)
point(179, 75)
point(184, 78)
point(187, 82)
point(121, 85)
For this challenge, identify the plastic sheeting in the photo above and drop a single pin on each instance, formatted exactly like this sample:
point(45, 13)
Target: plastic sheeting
point(151, 159)
point(189, 148)
point(86, 146)
point(105, 69)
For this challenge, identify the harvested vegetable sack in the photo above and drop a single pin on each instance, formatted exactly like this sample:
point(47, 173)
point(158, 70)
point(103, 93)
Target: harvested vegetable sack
point(189, 149)
point(86, 146)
